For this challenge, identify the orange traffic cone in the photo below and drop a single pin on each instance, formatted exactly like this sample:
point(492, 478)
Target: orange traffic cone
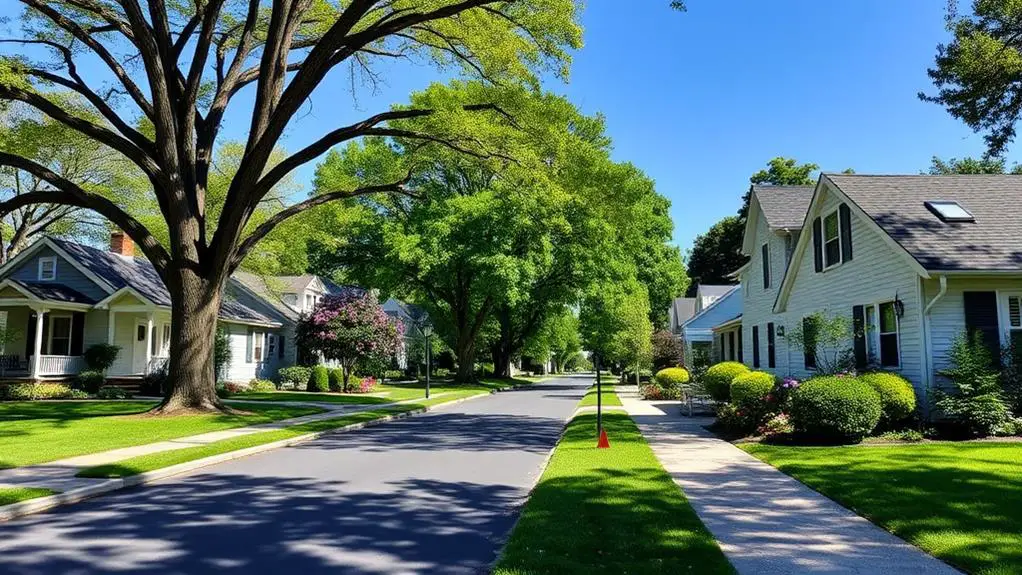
point(604, 443)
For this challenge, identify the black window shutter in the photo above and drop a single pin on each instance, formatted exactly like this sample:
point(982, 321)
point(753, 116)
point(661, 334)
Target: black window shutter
point(280, 347)
point(30, 335)
point(771, 350)
point(741, 346)
point(818, 244)
point(77, 332)
point(755, 346)
point(46, 334)
point(981, 316)
point(859, 331)
point(731, 346)
point(809, 342)
point(845, 217)
point(766, 267)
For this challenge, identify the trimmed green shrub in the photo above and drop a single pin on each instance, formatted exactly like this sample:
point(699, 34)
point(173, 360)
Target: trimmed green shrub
point(89, 381)
point(670, 380)
point(442, 372)
point(752, 387)
point(101, 356)
point(30, 391)
point(112, 392)
point(835, 408)
point(718, 378)
point(897, 396)
point(293, 377)
point(977, 404)
point(319, 379)
point(393, 374)
point(337, 380)
point(77, 394)
point(261, 385)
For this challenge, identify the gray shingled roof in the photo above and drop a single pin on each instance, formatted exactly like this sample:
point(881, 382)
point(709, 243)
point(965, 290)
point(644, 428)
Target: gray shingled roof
point(785, 207)
point(120, 272)
point(684, 308)
point(714, 290)
point(54, 292)
point(895, 203)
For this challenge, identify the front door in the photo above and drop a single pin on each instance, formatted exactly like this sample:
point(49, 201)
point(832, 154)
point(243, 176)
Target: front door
point(138, 348)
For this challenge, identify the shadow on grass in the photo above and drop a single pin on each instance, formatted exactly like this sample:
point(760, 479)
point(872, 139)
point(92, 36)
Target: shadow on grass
point(608, 511)
point(960, 502)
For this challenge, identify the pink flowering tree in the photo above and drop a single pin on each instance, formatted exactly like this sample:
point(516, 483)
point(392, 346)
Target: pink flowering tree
point(350, 327)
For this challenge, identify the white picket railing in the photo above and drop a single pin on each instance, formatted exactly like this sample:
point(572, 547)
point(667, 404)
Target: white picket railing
point(59, 364)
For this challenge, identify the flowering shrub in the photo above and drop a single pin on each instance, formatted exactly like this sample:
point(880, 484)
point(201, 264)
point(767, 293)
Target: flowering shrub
point(654, 391)
point(366, 385)
point(779, 424)
point(261, 385)
point(350, 327)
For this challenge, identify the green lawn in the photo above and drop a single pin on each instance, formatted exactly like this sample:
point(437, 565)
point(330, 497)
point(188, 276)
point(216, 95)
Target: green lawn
point(39, 431)
point(9, 495)
point(609, 397)
point(608, 511)
point(394, 392)
point(961, 502)
point(144, 463)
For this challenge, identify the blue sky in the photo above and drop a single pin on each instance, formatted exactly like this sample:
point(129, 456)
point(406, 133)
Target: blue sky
point(701, 100)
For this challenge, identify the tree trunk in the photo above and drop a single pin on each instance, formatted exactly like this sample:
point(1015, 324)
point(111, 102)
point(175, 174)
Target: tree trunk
point(466, 354)
point(190, 375)
point(503, 348)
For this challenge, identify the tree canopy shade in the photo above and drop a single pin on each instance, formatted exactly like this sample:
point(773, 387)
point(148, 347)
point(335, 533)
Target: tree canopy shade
point(987, 165)
point(179, 66)
point(977, 73)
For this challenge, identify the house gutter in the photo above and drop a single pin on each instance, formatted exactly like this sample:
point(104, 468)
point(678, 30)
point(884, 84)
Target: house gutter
point(927, 340)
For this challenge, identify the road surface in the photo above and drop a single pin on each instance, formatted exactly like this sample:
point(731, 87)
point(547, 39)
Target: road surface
point(437, 493)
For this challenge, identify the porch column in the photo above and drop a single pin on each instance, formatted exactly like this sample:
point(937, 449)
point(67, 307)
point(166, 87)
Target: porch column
point(37, 345)
point(110, 327)
point(148, 341)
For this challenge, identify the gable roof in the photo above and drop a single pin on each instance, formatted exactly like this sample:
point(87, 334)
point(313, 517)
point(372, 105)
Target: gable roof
point(705, 290)
point(271, 294)
point(784, 206)
point(993, 242)
point(683, 308)
point(724, 307)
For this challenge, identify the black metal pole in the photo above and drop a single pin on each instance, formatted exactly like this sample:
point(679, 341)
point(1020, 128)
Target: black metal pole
point(599, 396)
point(427, 367)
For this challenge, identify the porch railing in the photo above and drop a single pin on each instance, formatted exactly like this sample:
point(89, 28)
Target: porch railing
point(59, 364)
point(156, 364)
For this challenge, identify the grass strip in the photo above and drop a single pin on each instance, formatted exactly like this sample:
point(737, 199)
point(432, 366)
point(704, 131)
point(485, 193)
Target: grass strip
point(41, 431)
point(959, 502)
point(9, 495)
point(608, 511)
point(394, 392)
point(609, 397)
point(144, 463)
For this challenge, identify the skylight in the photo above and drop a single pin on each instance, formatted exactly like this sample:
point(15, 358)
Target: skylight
point(949, 211)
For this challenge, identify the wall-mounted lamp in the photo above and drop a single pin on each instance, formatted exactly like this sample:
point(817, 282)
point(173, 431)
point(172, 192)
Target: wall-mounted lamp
point(899, 306)
point(780, 330)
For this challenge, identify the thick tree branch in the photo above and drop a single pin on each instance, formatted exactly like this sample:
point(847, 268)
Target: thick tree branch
point(266, 227)
point(70, 194)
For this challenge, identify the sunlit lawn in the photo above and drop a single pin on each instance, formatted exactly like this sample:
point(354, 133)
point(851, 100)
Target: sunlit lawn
point(608, 511)
point(9, 495)
point(961, 502)
point(384, 393)
point(39, 431)
point(609, 397)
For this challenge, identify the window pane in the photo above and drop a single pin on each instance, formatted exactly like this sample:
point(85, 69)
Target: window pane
point(889, 350)
point(872, 348)
point(833, 253)
point(1014, 312)
point(888, 319)
point(830, 227)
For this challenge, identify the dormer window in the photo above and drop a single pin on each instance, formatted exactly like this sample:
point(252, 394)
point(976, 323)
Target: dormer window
point(47, 269)
point(949, 211)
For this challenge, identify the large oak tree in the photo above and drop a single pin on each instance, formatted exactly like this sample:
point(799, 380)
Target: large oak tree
point(179, 65)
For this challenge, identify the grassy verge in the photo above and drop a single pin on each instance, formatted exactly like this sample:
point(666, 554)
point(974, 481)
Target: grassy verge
point(608, 511)
point(9, 495)
point(37, 432)
point(959, 502)
point(609, 397)
point(389, 393)
point(145, 463)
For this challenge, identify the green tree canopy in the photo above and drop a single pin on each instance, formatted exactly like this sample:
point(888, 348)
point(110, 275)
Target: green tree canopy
point(717, 254)
point(985, 165)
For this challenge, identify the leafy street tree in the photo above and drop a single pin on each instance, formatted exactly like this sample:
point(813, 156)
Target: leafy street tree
point(180, 65)
point(632, 345)
point(667, 350)
point(63, 151)
point(987, 165)
point(780, 172)
point(558, 340)
point(717, 254)
point(350, 328)
point(976, 74)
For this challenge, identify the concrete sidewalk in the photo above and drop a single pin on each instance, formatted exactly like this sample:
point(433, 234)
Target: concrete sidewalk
point(60, 475)
point(764, 520)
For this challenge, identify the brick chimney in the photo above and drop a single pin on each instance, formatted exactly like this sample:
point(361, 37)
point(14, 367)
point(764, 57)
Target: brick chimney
point(121, 244)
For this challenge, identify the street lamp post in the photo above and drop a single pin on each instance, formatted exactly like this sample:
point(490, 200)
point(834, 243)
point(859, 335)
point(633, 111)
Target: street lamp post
point(427, 332)
point(599, 395)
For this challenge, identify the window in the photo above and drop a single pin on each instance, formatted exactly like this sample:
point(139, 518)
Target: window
point(140, 332)
point(165, 347)
point(882, 344)
point(256, 340)
point(872, 344)
point(731, 346)
point(271, 345)
point(831, 240)
point(48, 269)
point(766, 266)
point(771, 346)
point(949, 211)
point(60, 335)
point(160, 346)
point(1013, 312)
point(309, 302)
point(809, 341)
point(280, 347)
point(755, 346)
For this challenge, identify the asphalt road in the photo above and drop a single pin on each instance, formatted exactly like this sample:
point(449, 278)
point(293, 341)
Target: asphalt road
point(436, 493)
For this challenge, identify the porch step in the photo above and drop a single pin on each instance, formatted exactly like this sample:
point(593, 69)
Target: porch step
point(132, 385)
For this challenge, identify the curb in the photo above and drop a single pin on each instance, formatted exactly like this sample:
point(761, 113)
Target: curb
point(40, 504)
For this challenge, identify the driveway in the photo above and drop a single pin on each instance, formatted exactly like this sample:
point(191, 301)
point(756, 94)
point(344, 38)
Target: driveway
point(436, 493)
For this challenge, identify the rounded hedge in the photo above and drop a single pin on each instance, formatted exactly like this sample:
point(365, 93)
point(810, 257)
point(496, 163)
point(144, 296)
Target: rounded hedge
point(337, 379)
point(717, 380)
point(752, 387)
point(319, 379)
point(672, 376)
point(897, 396)
point(834, 408)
